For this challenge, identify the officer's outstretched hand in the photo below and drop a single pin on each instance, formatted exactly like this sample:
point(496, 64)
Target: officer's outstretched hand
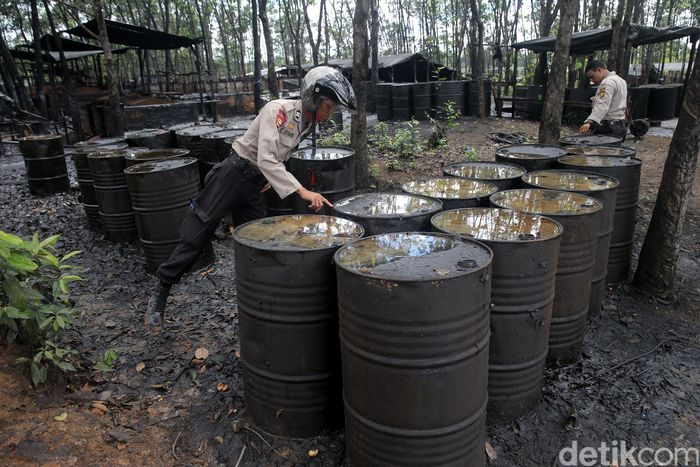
point(316, 200)
point(585, 128)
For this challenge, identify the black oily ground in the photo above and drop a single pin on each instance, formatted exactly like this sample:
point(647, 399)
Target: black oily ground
point(638, 379)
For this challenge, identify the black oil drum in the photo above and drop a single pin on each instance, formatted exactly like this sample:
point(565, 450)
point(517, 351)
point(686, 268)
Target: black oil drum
point(191, 138)
point(574, 113)
point(525, 254)
point(533, 107)
point(639, 100)
point(415, 365)
point(453, 192)
point(175, 128)
point(384, 101)
point(627, 171)
point(97, 144)
point(402, 101)
point(471, 98)
point(276, 206)
point(422, 100)
point(112, 193)
point(679, 96)
point(502, 174)
point(333, 124)
point(160, 192)
point(326, 170)
point(579, 215)
point(591, 140)
point(288, 312)
point(622, 151)
point(531, 156)
point(154, 155)
point(662, 102)
point(389, 212)
point(151, 138)
point(449, 91)
point(45, 164)
point(598, 186)
point(216, 147)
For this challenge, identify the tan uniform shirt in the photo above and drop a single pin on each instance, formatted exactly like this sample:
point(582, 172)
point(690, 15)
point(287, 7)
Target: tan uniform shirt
point(270, 140)
point(610, 102)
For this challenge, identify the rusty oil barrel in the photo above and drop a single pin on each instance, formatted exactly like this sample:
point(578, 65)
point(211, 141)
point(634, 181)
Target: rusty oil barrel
point(151, 138)
point(326, 170)
point(414, 337)
point(590, 140)
point(45, 164)
point(453, 192)
point(79, 155)
point(598, 186)
point(504, 175)
point(579, 215)
point(389, 212)
point(191, 138)
point(288, 312)
point(112, 193)
point(531, 156)
point(160, 193)
point(627, 170)
point(154, 155)
point(525, 254)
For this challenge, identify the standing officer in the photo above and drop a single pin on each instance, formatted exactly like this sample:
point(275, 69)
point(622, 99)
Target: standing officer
point(609, 103)
point(255, 164)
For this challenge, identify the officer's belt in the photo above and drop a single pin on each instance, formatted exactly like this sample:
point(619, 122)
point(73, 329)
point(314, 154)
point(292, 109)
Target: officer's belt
point(247, 170)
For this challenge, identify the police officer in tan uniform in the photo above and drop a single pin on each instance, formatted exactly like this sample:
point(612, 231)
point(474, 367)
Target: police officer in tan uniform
point(609, 103)
point(256, 164)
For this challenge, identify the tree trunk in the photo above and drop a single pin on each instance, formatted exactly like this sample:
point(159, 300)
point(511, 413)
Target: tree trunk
point(10, 68)
point(241, 40)
point(257, 61)
point(548, 11)
point(39, 96)
point(374, 45)
point(269, 46)
point(359, 75)
point(478, 63)
point(116, 126)
point(550, 126)
point(659, 256)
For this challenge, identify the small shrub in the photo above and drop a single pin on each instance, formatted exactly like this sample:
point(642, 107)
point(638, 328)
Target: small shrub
point(107, 361)
point(406, 142)
point(339, 138)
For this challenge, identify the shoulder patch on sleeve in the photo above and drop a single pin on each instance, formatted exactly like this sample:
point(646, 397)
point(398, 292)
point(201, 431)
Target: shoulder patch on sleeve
point(281, 118)
point(601, 91)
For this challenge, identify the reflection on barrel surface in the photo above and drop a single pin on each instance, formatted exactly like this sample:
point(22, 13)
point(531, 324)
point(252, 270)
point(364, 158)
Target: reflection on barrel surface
point(525, 254)
point(502, 174)
point(453, 192)
point(414, 332)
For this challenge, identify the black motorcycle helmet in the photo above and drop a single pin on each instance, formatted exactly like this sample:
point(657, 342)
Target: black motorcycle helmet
point(324, 81)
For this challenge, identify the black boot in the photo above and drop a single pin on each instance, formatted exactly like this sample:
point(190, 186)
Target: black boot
point(156, 305)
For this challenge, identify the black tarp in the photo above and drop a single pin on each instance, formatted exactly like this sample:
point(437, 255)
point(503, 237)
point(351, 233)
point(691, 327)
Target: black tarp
point(586, 42)
point(400, 68)
point(135, 36)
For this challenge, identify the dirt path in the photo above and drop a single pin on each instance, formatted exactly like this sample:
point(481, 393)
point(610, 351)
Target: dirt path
point(177, 411)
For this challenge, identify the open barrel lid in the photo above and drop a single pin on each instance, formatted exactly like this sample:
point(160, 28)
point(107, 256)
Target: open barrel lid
point(102, 153)
point(484, 170)
point(298, 233)
point(497, 225)
point(323, 153)
point(570, 180)
point(598, 161)
point(590, 140)
point(531, 151)
point(84, 150)
point(225, 134)
point(622, 151)
point(387, 205)
point(197, 130)
point(39, 138)
point(546, 202)
point(450, 188)
point(155, 154)
point(145, 133)
point(160, 165)
point(101, 142)
point(413, 256)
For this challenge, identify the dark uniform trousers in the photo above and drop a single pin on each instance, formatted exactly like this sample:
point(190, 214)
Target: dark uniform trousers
point(612, 127)
point(231, 186)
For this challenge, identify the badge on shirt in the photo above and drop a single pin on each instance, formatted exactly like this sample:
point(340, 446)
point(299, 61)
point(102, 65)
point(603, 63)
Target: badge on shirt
point(601, 91)
point(297, 115)
point(291, 126)
point(281, 118)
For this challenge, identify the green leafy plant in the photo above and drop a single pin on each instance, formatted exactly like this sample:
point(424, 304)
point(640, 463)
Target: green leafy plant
point(107, 361)
point(35, 307)
point(406, 141)
point(339, 138)
point(449, 118)
point(470, 153)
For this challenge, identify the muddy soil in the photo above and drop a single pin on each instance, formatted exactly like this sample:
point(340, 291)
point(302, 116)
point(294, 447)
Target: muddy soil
point(638, 380)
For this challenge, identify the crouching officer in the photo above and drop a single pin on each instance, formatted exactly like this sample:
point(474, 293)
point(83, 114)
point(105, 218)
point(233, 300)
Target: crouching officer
point(609, 102)
point(255, 164)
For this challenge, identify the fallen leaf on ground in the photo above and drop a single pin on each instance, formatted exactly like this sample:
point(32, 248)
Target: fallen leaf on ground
point(219, 439)
point(140, 366)
point(222, 387)
point(122, 446)
point(201, 353)
point(99, 408)
point(62, 417)
point(313, 452)
point(490, 451)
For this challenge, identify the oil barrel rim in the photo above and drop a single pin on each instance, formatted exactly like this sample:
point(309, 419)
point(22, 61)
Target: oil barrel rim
point(166, 153)
point(493, 189)
point(510, 151)
point(344, 151)
point(623, 151)
point(251, 244)
point(159, 166)
point(519, 241)
point(437, 206)
point(596, 204)
point(448, 169)
point(566, 160)
point(145, 133)
point(367, 273)
point(48, 137)
point(614, 181)
point(206, 128)
point(219, 135)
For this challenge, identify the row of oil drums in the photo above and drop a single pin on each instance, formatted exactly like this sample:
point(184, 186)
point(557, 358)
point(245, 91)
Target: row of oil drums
point(420, 314)
point(45, 164)
point(403, 101)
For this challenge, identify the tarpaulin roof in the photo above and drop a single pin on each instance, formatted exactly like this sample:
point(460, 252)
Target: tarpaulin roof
point(50, 42)
point(399, 67)
point(134, 36)
point(27, 53)
point(585, 42)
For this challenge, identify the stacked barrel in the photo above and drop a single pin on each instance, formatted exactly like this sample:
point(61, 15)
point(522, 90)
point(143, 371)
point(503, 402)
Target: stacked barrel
point(45, 164)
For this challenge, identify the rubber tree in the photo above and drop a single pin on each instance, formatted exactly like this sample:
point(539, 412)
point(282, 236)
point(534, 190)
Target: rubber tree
point(115, 126)
point(257, 59)
point(550, 125)
point(269, 47)
point(358, 134)
point(656, 271)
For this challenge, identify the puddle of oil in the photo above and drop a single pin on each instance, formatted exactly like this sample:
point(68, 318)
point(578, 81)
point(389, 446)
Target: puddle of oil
point(483, 170)
point(598, 161)
point(298, 232)
point(495, 224)
point(160, 165)
point(546, 202)
point(569, 180)
point(387, 205)
point(450, 188)
point(323, 153)
point(413, 256)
